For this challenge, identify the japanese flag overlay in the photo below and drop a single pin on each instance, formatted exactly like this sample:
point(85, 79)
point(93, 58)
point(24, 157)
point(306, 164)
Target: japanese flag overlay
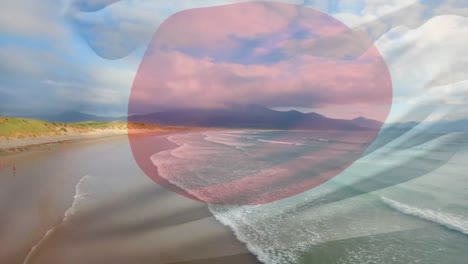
point(268, 54)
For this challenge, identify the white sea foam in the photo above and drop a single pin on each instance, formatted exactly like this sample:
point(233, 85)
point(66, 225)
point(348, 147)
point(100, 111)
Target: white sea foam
point(179, 152)
point(450, 221)
point(243, 132)
point(276, 233)
point(168, 166)
point(79, 196)
point(225, 141)
point(257, 227)
point(320, 139)
point(280, 142)
point(232, 139)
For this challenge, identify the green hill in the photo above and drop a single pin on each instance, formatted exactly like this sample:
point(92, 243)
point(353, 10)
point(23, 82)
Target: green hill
point(18, 128)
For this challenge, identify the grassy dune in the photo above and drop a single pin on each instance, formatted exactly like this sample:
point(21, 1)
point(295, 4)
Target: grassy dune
point(20, 128)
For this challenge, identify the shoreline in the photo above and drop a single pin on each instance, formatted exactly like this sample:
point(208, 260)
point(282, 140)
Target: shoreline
point(230, 237)
point(16, 146)
point(48, 193)
point(13, 146)
point(231, 259)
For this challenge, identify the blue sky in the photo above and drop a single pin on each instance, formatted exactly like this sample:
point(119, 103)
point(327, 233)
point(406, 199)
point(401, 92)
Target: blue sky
point(59, 55)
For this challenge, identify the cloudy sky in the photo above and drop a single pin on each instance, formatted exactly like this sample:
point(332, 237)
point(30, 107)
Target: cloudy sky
point(58, 55)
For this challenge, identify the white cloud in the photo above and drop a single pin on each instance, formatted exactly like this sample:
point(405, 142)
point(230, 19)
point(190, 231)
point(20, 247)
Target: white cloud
point(115, 31)
point(372, 10)
point(431, 55)
point(31, 18)
point(428, 64)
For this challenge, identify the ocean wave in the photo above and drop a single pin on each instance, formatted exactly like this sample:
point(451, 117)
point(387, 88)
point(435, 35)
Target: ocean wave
point(450, 221)
point(79, 196)
point(226, 141)
point(178, 152)
point(323, 140)
point(226, 220)
point(264, 240)
point(243, 132)
point(320, 139)
point(280, 142)
point(170, 167)
point(237, 140)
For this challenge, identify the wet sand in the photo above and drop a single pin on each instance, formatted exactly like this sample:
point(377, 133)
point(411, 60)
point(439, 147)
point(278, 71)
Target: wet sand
point(142, 223)
point(234, 259)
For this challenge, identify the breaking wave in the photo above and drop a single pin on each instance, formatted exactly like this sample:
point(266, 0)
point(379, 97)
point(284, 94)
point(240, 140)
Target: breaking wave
point(280, 142)
point(450, 221)
point(79, 196)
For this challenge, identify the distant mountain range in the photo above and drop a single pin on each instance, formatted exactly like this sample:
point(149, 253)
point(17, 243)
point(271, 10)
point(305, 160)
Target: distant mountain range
point(255, 116)
point(238, 116)
point(252, 116)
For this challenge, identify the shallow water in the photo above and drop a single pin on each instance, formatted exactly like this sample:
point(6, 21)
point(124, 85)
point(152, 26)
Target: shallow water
point(109, 204)
point(404, 202)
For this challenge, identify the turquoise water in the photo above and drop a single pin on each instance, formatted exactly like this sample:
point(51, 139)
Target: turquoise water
point(403, 201)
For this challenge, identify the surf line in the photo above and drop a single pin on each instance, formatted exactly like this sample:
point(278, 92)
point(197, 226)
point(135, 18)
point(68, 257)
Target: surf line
point(449, 221)
point(70, 211)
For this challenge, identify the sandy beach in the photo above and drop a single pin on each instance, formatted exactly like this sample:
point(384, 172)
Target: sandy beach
point(47, 220)
point(27, 143)
point(19, 145)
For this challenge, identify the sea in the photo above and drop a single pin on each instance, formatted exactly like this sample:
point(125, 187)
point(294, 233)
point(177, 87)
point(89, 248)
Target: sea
point(399, 198)
point(401, 201)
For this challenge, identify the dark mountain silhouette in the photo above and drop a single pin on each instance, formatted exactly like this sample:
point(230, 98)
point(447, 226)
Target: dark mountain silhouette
point(368, 123)
point(251, 116)
point(235, 116)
